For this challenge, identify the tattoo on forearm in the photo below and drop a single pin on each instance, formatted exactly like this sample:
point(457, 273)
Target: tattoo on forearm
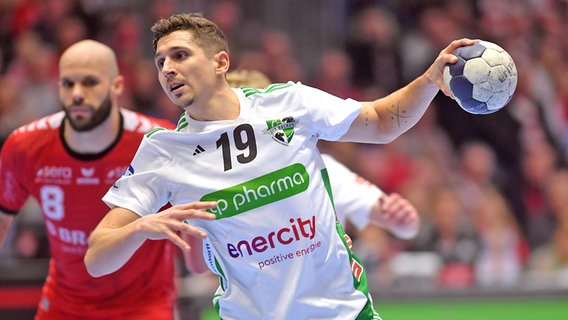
point(366, 118)
point(398, 115)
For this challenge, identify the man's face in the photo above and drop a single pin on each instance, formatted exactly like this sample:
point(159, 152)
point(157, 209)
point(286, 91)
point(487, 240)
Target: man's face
point(186, 73)
point(85, 96)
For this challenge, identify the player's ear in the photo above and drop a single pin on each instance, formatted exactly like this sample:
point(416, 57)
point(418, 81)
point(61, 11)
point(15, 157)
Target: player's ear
point(117, 85)
point(223, 62)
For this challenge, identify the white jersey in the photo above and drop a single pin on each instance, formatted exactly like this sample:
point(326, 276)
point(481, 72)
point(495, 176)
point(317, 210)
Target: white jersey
point(353, 195)
point(276, 244)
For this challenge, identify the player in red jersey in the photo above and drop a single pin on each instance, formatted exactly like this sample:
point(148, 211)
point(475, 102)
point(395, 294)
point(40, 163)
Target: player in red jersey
point(67, 161)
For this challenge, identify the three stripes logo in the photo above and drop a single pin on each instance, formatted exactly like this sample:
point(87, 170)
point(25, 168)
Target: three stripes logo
point(198, 150)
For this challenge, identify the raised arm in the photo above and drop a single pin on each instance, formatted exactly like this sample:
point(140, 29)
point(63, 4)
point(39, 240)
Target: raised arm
point(384, 119)
point(122, 232)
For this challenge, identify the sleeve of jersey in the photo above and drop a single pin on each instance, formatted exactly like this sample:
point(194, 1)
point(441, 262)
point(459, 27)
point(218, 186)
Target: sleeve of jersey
point(13, 190)
point(331, 116)
point(353, 196)
point(141, 188)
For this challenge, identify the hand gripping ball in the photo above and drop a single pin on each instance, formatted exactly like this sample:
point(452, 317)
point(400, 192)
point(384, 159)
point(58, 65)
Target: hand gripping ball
point(483, 79)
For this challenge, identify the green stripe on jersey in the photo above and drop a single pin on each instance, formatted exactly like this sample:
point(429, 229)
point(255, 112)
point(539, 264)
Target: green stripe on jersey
point(248, 91)
point(359, 277)
point(151, 132)
point(327, 183)
point(182, 122)
point(222, 277)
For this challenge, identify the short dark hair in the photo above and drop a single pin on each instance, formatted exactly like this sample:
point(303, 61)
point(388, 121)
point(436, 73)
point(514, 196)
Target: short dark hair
point(207, 34)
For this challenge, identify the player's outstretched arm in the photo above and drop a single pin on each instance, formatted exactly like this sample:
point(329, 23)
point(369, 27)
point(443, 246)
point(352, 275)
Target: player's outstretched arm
point(6, 221)
point(122, 232)
point(384, 119)
point(397, 215)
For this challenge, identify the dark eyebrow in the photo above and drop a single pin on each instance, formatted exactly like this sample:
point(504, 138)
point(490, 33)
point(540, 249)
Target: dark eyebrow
point(172, 49)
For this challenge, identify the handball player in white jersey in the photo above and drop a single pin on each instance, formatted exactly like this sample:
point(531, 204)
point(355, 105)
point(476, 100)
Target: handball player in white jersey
point(242, 171)
point(356, 199)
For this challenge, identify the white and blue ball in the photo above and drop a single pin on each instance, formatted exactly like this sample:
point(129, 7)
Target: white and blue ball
point(483, 79)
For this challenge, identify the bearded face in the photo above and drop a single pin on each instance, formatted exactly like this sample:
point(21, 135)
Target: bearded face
point(84, 117)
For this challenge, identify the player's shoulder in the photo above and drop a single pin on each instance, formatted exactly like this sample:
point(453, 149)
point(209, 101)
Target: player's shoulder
point(141, 123)
point(159, 133)
point(39, 127)
point(35, 135)
point(270, 90)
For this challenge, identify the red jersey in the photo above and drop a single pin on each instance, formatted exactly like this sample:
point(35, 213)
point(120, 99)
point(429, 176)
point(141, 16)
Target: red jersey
point(35, 161)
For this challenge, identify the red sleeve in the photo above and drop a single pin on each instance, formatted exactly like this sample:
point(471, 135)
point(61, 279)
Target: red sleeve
point(13, 190)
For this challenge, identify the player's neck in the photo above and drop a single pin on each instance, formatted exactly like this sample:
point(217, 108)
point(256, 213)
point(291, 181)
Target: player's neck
point(96, 140)
point(223, 105)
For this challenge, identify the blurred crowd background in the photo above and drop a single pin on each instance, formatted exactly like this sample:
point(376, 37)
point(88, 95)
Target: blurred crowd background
point(492, 190)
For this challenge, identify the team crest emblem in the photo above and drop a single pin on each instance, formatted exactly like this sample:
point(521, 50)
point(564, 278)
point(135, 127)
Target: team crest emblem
point(281, 130)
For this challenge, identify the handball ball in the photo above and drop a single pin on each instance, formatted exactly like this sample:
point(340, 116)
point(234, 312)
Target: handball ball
point(483, 79)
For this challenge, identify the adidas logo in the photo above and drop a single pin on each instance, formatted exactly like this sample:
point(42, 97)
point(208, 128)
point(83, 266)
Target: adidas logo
point(198, 150)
